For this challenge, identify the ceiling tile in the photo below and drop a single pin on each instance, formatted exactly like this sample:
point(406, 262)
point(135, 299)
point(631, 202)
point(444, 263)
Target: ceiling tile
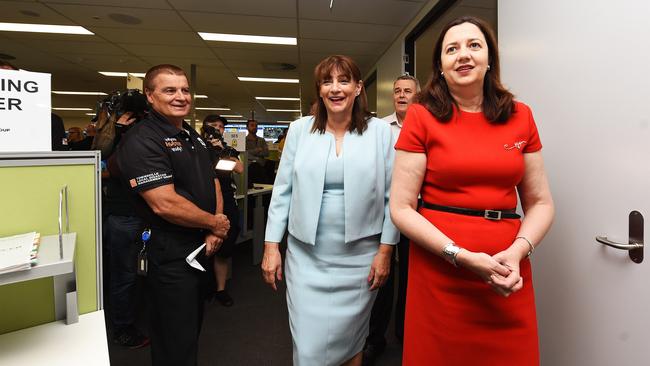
point(381, 12)
point(346, 48)
point(155, 37)
point(151, 18)
point(149, 50)
point(241, 24)
point(275, 8)
point(11, 12)
point(150, 4)
point(277, 55)
point(318, 29)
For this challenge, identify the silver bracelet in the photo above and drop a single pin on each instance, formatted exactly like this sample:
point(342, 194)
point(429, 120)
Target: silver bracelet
point(450, 252)
point(532, 247)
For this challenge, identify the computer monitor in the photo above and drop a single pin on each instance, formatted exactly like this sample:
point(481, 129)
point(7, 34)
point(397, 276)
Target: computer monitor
point(269, 132)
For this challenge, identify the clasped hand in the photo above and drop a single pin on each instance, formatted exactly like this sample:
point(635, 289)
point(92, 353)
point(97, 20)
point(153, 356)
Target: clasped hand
point(501, 271)
point(218, 234)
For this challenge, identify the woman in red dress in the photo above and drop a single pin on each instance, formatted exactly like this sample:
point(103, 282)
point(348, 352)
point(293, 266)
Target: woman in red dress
point(468, 148)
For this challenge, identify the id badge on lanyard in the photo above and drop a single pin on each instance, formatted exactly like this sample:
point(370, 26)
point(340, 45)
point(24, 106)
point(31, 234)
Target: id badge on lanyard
point(142, 256)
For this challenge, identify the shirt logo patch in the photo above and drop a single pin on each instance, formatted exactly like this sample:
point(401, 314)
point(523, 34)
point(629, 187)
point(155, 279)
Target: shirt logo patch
point(152, 177)
point(173, 144)
point(517, 145)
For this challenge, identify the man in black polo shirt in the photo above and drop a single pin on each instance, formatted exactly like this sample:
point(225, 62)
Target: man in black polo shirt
point(166, 163)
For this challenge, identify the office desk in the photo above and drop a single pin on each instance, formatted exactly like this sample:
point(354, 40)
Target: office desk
point(257, 234)
point(50, 264)
point(57, 344)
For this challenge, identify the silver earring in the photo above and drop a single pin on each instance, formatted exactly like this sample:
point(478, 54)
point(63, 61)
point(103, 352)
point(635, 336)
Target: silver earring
point(442, 73)
point(488, 68)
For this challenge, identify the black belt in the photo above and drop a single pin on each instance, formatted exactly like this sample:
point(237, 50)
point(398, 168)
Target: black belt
point(488, 214)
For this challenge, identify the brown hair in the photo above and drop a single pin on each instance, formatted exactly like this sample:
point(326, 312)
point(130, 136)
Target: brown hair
point(498, 104)
point(7, 65)
point(159, 69)
point(347, 67)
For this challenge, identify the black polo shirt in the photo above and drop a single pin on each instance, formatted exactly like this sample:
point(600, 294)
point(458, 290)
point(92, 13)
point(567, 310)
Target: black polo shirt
point(155, 153)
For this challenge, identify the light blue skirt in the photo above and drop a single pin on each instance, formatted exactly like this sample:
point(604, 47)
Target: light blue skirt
point(327, 290)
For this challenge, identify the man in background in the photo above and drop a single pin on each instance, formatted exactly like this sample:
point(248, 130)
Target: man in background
point(405, 89)
point(257, 151)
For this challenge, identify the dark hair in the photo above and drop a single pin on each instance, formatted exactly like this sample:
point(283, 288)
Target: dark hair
point(4, 64)
point(498, 104)
point(159, 69)
point(347, 67)
point(214, 118)
point(250, 121)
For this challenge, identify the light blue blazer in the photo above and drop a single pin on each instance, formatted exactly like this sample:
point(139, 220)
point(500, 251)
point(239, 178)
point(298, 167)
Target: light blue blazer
point(298, 188)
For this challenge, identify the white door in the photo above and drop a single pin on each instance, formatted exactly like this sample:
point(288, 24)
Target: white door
point(584, 68)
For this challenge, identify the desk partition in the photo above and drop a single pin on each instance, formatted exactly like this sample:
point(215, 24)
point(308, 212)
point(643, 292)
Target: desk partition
point(29, 199)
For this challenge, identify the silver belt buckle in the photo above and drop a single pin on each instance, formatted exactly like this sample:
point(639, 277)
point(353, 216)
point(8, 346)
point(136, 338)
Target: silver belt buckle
point(492, 215)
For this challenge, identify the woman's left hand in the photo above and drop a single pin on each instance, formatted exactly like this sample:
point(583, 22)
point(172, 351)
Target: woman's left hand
point(513, 282)
point(380, 267)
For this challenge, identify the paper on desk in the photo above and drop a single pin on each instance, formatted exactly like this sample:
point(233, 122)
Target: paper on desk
point(191, 259)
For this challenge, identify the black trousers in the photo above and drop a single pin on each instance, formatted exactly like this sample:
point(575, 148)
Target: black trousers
point(383, 306)
point(176, 292)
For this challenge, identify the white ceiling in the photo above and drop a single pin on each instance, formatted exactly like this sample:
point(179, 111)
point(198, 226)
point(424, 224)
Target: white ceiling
point(166, 32)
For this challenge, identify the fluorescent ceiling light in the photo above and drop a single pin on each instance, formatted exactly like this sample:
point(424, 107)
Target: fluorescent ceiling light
point(242, 38)
point(212, 109)
point(72, 109)
point(231, 115)
point(268, 80)
point(122, 74)
point(77, 93)
point(44, 28)
point(237, 120)
point(91, 114)
point(200, 96)
point(276, 98)
point(283, 121)
point(284, 110)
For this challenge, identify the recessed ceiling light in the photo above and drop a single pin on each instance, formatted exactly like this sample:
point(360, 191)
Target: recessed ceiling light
point(268, 80)
point(212, 109)
point(276, 98)
point(72, 109)
point(77, 93)
point(44, 28)
point(242, 38)
point(122, 74)
point(231, 115)
point(284, 110)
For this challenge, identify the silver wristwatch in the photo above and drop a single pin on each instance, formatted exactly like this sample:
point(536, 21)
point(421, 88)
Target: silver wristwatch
point(450, 251)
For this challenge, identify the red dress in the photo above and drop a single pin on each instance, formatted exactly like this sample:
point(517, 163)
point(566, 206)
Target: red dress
point(452, 316)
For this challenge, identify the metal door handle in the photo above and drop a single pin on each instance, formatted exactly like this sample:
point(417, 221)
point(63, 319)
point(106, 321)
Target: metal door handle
point(635, 246)
point(604, 240)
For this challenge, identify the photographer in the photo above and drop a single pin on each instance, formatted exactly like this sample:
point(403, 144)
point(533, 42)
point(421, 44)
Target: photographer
point(115, 115)
point(212, 132)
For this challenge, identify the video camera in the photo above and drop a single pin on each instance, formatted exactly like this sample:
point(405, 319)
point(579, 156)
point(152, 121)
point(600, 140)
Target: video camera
point(122, 101)
point(211, 133)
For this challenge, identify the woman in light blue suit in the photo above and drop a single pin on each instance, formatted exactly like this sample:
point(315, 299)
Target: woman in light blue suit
point(331, 193)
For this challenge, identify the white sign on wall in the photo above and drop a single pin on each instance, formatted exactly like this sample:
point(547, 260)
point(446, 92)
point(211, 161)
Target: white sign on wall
point(25, 111)
point(237, 140)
